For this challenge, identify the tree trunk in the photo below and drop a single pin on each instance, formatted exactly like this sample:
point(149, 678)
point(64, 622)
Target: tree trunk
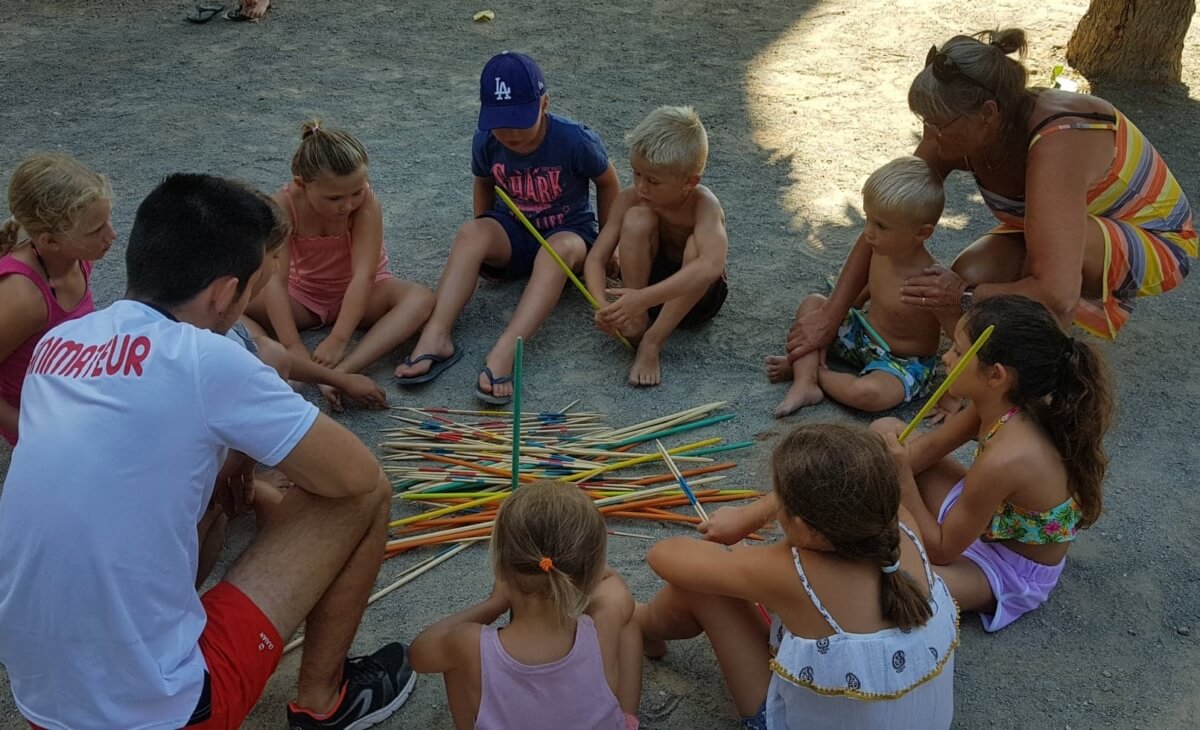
point(1131, 40)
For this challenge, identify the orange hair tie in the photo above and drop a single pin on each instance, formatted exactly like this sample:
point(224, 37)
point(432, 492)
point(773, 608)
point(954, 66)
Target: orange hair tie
point(546, 564)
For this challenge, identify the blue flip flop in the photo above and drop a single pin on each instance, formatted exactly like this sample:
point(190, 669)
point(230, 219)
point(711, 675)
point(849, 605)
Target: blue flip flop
point(437, 368)
point(486, 397)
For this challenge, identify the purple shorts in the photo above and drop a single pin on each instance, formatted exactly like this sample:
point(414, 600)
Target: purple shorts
point(1019, 584)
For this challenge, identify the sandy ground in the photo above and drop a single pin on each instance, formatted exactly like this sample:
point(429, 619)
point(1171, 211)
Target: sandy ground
point(802, 100)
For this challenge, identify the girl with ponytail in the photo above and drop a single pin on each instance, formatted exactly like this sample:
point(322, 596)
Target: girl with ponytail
point(1040, 404)
point(861, 632)
point(570, 656)
point(59, 227)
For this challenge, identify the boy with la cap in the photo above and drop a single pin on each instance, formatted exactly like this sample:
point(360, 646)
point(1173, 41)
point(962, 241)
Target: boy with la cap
point(547, 164)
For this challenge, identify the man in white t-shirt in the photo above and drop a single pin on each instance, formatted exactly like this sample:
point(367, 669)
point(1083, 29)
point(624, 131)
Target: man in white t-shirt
point(133, 420)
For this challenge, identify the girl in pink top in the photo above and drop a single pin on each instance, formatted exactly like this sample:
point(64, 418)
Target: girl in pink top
point(59, 226)
point(334, 269)
point(570, 656)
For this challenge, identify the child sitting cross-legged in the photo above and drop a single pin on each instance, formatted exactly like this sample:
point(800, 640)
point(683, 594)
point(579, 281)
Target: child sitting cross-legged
point(861, 632)
point(673, 244)
point(893, 345)
point(570, 656)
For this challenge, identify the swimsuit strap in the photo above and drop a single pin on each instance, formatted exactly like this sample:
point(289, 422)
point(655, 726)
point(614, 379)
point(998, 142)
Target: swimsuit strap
point(921, 549)
point(996, 427)
point(1106, 122)
point(812, 594)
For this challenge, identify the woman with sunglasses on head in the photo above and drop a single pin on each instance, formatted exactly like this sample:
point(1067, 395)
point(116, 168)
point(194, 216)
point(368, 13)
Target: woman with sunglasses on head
point(1090, 216)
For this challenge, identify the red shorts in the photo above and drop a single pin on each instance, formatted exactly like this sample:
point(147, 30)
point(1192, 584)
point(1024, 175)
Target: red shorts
point(242, 650)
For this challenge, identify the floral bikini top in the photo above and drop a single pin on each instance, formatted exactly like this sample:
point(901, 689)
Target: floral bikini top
point(1010, 522)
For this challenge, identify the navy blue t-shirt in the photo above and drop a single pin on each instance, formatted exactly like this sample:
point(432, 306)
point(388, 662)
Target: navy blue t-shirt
point(550, 184)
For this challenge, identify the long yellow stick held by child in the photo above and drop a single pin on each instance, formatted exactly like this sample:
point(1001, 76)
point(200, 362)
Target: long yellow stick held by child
point(967, 357)
point(554, 255)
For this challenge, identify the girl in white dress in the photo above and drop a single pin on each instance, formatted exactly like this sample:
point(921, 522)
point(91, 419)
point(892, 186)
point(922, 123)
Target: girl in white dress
point(851, 628)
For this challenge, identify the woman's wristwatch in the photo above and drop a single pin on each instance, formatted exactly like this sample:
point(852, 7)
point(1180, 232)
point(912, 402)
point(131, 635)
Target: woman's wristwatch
point(967, 297)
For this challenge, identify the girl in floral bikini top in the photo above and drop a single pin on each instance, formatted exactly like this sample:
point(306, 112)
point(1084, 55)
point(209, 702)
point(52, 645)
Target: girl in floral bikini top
point(1040, 406)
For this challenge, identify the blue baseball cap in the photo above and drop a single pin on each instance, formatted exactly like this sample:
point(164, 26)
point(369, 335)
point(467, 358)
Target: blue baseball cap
point(511, 88)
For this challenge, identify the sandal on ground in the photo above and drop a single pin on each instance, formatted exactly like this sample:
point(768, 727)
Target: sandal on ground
point(439, 364)
point(204, 13)
point(485, 396)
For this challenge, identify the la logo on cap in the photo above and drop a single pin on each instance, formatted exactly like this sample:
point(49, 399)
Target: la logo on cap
point(503, 90)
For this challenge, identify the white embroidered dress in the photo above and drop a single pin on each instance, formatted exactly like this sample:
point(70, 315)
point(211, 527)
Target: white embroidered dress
point(894, 679)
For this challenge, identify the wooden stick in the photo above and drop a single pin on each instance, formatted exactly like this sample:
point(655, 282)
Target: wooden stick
point(557, 259)
point(967, 357)
point(406, 577)
point(683, 484)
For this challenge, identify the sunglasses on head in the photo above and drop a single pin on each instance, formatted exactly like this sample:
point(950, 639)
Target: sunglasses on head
point(947, 71)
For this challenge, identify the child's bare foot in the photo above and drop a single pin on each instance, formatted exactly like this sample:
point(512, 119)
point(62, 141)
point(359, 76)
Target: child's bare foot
point(431, 343)
point(274, 478)
point(654, 648)
point(798, 396)
point(779, 369)
point(646, 370)
point(250, 10)
point(946, 406)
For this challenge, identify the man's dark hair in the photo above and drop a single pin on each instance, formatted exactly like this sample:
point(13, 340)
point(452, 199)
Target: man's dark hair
point(192, 230)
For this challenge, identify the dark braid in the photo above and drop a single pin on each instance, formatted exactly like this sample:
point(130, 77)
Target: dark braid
point(842, 482)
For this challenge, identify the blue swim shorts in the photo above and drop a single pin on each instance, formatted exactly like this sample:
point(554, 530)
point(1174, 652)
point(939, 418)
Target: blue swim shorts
point(855, 346)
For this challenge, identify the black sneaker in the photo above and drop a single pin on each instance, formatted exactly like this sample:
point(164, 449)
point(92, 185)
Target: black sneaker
point(375, 687)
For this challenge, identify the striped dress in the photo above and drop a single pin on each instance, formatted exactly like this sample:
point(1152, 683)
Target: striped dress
point(1142, 212)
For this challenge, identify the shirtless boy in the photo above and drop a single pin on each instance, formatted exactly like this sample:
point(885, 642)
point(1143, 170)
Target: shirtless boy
point(893, 344)
point(673, 245)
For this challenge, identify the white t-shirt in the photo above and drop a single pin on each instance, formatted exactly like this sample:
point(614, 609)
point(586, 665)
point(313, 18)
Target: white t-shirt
point(126, 417)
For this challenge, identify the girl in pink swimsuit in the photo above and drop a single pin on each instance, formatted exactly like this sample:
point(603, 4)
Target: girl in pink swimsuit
point(59, 227)
point(570, 655)
point(334, 268)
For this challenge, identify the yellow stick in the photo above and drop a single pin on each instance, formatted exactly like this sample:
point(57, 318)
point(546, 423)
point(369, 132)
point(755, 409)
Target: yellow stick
point(967, 357)
point(554, 254)
point(639, 460)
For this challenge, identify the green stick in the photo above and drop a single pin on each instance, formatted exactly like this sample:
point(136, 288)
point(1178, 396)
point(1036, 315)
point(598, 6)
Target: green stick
point(518, 368)
point(862, 319)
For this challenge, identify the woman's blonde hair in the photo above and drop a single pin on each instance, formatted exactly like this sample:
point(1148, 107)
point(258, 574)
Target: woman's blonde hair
point(967, 71)
point(327, 152)
point(47, 193)
point(550, 541)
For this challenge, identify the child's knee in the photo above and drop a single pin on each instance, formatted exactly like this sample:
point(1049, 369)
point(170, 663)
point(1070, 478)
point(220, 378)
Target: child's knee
point(474, 236)
point(876, 392)
point(639, 221)
point(569, 246)
point(812, 302)
point(275, 355)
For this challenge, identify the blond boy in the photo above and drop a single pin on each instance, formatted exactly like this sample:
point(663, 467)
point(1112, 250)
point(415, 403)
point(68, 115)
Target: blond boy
point(893, 345)
point(673, 245)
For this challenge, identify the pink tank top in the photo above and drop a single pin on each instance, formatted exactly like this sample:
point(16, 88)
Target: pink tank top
point(13, 367)
point(569, 693)
point(321, 264)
